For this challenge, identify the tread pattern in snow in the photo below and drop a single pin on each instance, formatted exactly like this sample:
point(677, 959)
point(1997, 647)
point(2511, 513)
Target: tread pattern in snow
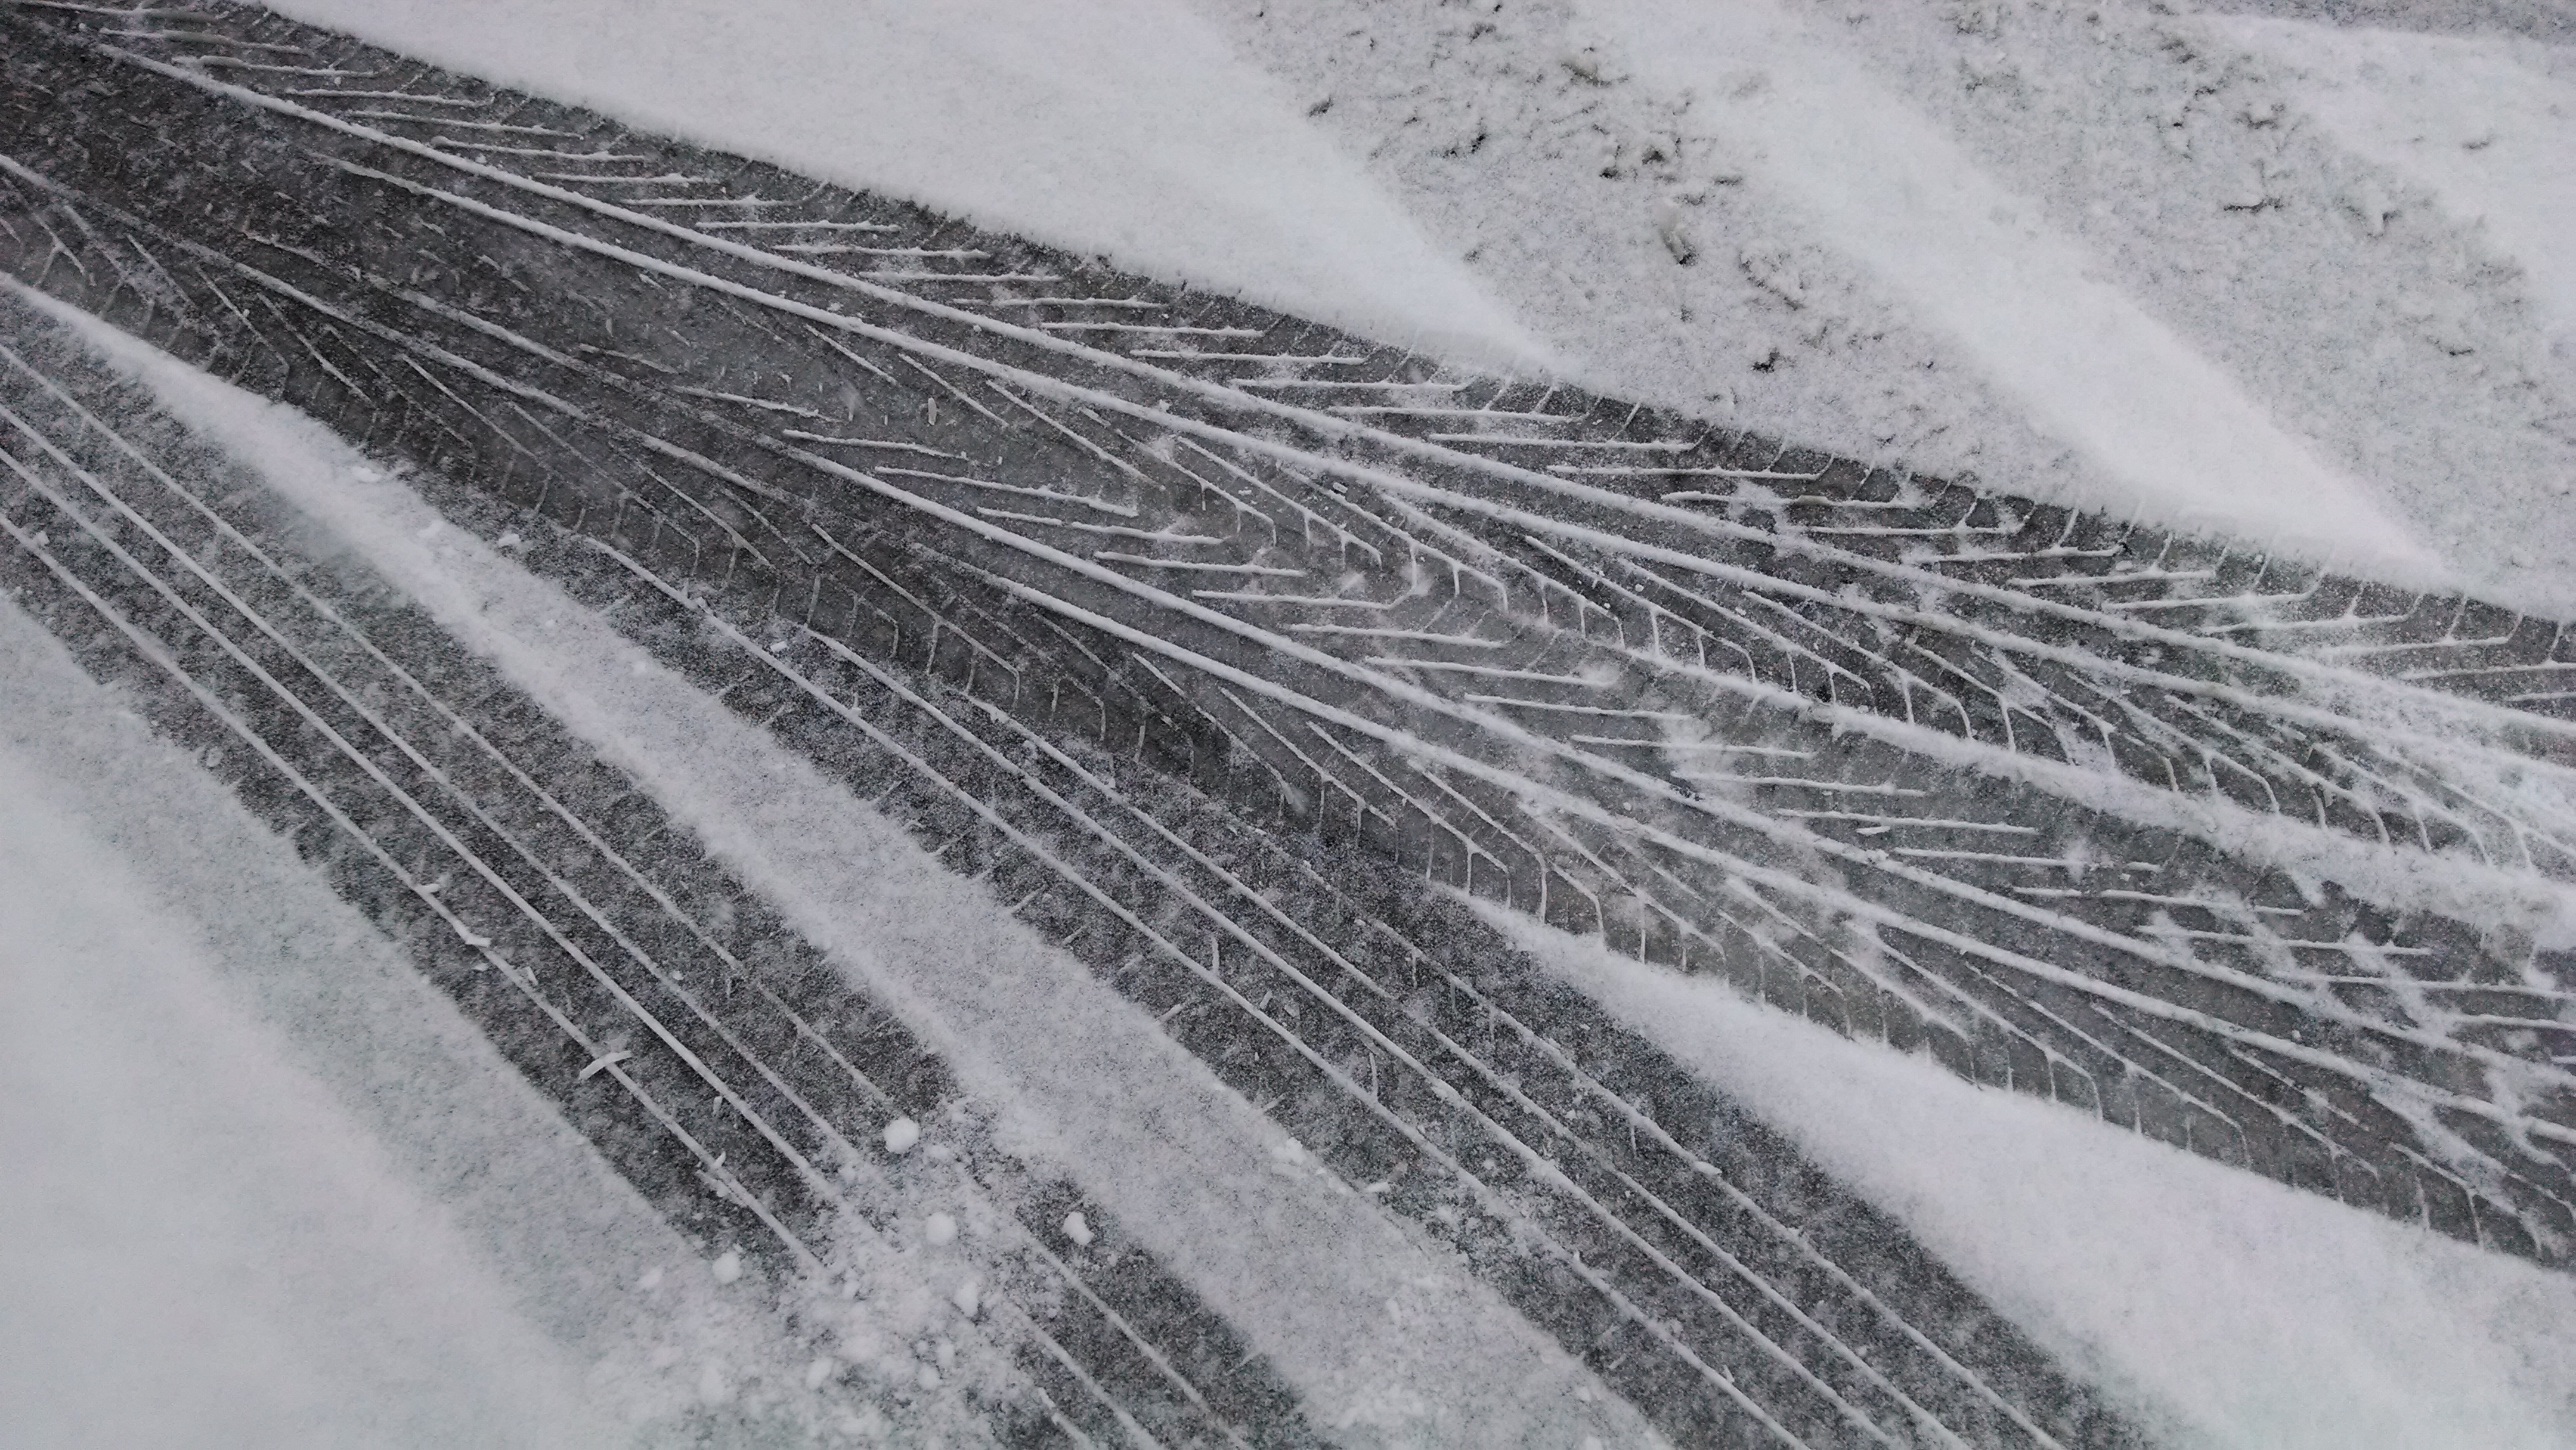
point(699, 1042)
point(1683, 1252)
point(1969, 774)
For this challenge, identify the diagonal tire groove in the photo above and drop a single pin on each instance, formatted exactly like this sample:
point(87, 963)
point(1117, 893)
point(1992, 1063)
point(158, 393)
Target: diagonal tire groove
point(1920, 1373)
point(2210, 931)
point(759, 1020)
point(2020, 787)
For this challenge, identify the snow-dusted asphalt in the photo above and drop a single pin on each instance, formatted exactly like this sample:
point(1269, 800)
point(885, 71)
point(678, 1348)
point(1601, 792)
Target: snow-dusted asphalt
point(953, 768)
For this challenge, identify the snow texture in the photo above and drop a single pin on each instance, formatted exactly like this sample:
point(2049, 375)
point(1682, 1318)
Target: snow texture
point(2538, 19)
point(2299, 283)
point(2483, 124)
point(2199, 270)
point(220, 1229)
point(1121, 128)
point(2359, 227)
point(2233, 1312)
point(1387, 1339)
point(1985, 266)
point(2072, 250)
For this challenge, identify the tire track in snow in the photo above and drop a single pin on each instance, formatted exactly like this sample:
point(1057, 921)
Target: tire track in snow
point(121, 547)
point(1260, 1269)
point(1861, 602)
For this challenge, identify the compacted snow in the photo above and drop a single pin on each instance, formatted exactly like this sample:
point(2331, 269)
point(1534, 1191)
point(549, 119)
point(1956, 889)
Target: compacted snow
point(266, 1187)
point(2232, 1311)
point(2303, 284)
point(2216, 272)
point(1384, 1334)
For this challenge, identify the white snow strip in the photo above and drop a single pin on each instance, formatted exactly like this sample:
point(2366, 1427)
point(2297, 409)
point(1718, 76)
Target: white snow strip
point(2488, 124)
point(1887, 187)
point(202, 1246)
point(2230, 1310)
point(1124, 128)
point(379, 1129)
point(1384, 1334)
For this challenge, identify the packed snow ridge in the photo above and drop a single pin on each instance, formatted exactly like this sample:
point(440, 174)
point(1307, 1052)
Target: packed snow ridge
point(2215, 272)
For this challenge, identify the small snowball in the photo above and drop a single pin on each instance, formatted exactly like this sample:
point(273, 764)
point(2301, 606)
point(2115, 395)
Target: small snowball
point(943, 1352)
point(910, 1307)
point(728, 1266)
point(901, 1134)
point(713, 1387)
point(968, 1298)
point(929, 1378)
point(509, 540)
point(651, 1281)
point(863, 1344)
point(818, 1372)
point(868, 1423)
point(1078, 1229)
point(941, 1229)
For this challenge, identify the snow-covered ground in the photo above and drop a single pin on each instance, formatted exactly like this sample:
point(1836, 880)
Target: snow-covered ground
point(2313, 285)
point(266, 1186)
point(2234, 1311)
point(2222, 1309)
point(1385, 1335)
point(201, 1245)
point(2222, 273)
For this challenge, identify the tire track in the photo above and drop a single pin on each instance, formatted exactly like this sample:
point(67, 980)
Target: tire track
point(449, 806)
point(1120, 900)
point(1740, 1264)
point(1819, 738)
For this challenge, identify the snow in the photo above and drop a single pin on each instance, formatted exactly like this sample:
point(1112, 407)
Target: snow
point(584, 1257)
point(362, 1181)
point(203, 1245)
point(2074, 168)
point(2229, 1310)
point(2369, 309)
point(2485, 124)
point(2538, 19)
point(2191, 269)
point(1983, 265)
point(2311, 285)
point(1122, 128)
point(1082, 1079)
